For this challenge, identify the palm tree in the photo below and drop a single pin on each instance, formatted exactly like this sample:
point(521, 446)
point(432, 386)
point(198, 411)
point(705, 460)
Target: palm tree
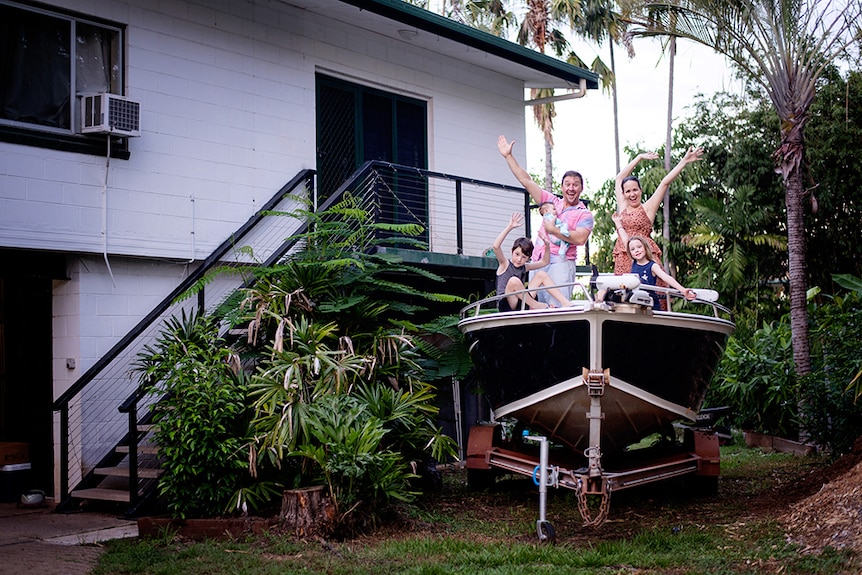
point(728, 230)
point(784, 46)
point(599, 22)
point(544, 26)
point(539, 29)
point(491, 16)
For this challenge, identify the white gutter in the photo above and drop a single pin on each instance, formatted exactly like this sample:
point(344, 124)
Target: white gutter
point(582, 91)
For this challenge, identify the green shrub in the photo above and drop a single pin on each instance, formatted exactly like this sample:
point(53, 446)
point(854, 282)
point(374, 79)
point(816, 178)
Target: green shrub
point(346, 444)
point(337, 390)
point(757, 379)
point(200, 418)
point(830, 413)
point(333, 330)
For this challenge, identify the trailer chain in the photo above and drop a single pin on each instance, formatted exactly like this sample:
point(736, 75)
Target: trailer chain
point(584, 509)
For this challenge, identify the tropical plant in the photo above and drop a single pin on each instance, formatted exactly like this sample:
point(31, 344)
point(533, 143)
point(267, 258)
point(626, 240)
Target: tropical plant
point(599, 21)
point(408, 417)
point(832, 416)
point(729, 228)
point(784, 46)
point(297, 373)
point(490, 16)
point(756, 379)
point(738, 134)
point(200, 416)
point(831, 148)
point(332, 326)
point(854, 284)
point(544, 26)
point(346, 446)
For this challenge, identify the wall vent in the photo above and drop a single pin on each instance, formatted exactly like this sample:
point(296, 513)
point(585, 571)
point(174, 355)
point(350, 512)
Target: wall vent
point(110, 114)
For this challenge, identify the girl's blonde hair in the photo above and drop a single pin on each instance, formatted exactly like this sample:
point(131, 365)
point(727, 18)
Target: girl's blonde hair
point(645, 242)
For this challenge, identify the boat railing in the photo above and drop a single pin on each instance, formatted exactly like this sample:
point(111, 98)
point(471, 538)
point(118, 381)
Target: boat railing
point(675, 295)
point(584, 297)
point(489, 304)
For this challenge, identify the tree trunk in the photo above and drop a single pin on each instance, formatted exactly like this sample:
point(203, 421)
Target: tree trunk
point(668, 263)
point(797, 271)
point(616, 108)
point(788, 160)
point(307, 511)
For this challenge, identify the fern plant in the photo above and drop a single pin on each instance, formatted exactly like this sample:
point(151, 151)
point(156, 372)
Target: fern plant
point(334, 387)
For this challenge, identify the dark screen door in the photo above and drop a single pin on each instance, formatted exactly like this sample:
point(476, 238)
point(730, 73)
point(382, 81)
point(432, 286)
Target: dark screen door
point(356, 124)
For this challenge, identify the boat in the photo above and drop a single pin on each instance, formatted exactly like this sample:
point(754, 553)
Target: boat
point(594, 380)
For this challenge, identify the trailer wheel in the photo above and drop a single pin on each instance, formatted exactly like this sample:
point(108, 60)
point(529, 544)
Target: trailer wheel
point(546, 532)
point(480, 479)
point(705, 485)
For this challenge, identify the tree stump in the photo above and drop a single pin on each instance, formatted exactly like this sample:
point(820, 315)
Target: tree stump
point(307, 511)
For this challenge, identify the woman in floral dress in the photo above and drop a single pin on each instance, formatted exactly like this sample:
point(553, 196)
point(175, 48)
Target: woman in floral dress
point(637, 218)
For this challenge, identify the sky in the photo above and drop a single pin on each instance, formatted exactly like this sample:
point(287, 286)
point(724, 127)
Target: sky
point(584, 127)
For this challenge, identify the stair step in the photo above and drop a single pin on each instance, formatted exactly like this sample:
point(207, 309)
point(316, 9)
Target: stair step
point(102, 494)
point(141, 449)
point(145, 427)
point(146, 473)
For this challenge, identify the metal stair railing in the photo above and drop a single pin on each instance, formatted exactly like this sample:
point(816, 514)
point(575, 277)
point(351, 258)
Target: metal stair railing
point(105, 405)
point(454, 210)
point(90, 423)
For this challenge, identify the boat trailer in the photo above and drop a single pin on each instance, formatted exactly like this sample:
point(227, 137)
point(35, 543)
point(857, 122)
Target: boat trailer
point(700, 457)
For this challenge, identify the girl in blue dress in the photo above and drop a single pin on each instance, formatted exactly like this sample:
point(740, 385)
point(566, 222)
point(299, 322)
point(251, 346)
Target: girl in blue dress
point(648, 270)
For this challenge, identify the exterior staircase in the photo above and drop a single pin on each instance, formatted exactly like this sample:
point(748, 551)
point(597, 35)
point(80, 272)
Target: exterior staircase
point(109, 401)
point(107, 451)
point(111, 482)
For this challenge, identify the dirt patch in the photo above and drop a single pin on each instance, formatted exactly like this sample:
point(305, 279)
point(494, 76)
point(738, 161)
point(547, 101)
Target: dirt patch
point(831, 517)
point(818, 503)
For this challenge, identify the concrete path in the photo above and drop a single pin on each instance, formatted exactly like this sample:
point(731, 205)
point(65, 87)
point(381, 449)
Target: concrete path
point(40, 542)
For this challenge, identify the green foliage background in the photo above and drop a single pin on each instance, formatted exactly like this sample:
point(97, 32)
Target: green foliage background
point(332, 388)
point(727, 220)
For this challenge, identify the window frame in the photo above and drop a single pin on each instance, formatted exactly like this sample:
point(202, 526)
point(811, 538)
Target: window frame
point(70, 139)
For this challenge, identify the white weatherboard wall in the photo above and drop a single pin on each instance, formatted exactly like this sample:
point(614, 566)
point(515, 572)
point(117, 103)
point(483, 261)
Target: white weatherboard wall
point(227, 99)
point(227, 94)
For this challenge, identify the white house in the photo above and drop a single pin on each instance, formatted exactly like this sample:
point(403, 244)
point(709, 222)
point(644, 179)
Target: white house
point(218, 104)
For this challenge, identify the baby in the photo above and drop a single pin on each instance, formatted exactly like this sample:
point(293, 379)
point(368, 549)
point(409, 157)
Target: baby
point(548, 213)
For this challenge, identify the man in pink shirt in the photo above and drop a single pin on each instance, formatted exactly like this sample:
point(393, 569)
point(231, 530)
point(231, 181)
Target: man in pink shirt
point(569, 208)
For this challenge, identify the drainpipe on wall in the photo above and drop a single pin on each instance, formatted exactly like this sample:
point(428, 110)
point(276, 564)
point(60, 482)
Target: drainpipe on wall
point(105, 214)
point(580, 93)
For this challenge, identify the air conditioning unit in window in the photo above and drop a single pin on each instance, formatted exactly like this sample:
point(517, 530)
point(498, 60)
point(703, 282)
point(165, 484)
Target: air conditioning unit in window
point(110, 114)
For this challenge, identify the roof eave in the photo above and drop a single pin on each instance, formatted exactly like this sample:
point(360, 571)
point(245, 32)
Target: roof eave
point(421, 19)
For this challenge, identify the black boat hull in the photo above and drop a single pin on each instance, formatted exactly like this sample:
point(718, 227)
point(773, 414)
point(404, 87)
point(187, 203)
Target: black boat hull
point(531, 366)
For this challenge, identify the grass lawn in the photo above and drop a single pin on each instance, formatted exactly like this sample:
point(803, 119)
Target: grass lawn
point(651, 530)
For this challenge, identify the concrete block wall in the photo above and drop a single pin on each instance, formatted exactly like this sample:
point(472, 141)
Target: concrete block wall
point(227, 99)
point(100, 303)
point(227, 93)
